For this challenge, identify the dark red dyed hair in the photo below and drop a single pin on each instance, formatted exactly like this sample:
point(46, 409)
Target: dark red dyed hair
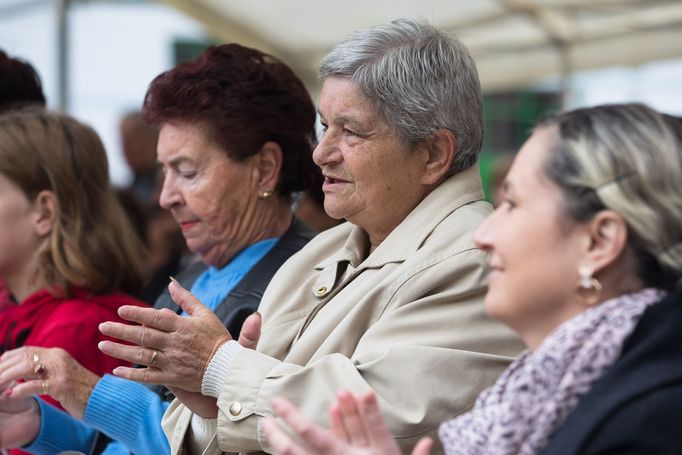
point(244, 98)
point(19, 83)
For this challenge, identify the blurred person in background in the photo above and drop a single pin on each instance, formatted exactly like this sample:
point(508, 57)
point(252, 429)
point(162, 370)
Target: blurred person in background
point(586, 265)
point(386, 301)
point(69, 258)
point(166, 247)
point(138, 142)
point(19, 83)
point(236, 135)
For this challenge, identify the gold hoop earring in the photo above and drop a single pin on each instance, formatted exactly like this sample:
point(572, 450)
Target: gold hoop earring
point(589, 287)
point(265, 194)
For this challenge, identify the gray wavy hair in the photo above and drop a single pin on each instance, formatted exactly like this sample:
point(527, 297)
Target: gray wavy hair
point(626, 158)
point(418, 78)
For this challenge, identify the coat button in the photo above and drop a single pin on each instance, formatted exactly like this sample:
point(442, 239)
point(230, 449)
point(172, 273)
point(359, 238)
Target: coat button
point(322, 290)
point(235, 408)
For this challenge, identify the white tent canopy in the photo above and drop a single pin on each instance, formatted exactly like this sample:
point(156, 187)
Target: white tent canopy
point(514, 42)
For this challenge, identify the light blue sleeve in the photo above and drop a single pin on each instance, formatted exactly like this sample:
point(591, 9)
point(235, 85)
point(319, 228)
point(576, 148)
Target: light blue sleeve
point(130, 413)
point(59, 432)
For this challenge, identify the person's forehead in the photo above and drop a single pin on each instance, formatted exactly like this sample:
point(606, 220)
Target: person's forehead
point(528, 164)
point(179, 143)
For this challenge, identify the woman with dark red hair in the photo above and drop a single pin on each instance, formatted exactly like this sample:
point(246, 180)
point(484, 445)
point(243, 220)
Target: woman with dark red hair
point(236, 136)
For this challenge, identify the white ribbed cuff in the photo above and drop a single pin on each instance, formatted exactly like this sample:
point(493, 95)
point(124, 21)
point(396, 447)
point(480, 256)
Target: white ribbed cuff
point(218, 367)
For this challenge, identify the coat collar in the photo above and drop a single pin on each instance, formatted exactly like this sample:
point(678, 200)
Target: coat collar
point(456, 191)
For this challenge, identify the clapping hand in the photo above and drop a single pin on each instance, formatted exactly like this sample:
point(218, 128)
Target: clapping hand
point(175, 349)
point(357, 428)
point(206, 406)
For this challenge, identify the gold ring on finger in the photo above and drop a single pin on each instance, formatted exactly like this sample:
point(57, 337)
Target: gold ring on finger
point(45, 387)
point(152, 361)
point(40, 369)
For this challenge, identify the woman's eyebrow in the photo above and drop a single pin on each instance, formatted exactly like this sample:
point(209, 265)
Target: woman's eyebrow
point(175, 162)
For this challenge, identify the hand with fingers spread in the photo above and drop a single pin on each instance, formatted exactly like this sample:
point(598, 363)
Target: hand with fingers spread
point(175, 349)
point(357, 428)
point(47, 371)
point(207, 406)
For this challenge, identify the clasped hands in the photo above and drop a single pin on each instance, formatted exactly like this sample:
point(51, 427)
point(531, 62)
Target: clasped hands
point(176, 349)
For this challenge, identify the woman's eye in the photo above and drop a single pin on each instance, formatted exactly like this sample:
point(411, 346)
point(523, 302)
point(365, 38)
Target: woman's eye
point(188, 174)
point(324, 127)
point(348, 132)
point(508, 204)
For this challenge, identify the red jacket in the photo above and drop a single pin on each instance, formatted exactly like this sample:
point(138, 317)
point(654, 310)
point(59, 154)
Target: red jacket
point(68, 323)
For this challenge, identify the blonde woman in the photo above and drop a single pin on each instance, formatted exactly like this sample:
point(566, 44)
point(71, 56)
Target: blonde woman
point(583, 252)
point(68, 256)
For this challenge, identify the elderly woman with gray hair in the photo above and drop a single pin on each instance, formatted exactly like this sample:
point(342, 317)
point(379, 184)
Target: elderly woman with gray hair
point(392, 300)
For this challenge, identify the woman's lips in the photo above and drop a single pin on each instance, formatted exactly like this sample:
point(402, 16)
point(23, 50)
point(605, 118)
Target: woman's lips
point(494, 272)
point(184, 225)
point(332, 182)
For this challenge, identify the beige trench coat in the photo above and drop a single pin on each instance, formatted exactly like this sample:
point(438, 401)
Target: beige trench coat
point(406, 321)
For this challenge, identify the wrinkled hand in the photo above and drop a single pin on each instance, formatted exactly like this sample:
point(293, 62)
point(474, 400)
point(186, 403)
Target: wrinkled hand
point(357, 428)
point(206, 406)
point(19, 420)
point(184, 345)
point(61, 376)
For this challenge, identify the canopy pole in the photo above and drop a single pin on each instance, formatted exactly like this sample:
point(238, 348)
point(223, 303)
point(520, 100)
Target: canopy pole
point(566, 70)
point(62, 54)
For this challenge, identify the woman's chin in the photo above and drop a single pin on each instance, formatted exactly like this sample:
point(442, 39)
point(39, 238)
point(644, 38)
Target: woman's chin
point(494, 304)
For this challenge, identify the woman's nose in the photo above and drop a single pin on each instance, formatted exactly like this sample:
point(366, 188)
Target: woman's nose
point(483, 237)
point(169, 196)
point(327, 151)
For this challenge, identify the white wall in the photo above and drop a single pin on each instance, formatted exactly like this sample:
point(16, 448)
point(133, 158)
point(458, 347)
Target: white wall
point(656, 84)
point(115, 51)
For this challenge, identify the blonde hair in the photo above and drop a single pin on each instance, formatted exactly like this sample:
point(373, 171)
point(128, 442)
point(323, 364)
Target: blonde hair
point(92, 243)
point(626, 158)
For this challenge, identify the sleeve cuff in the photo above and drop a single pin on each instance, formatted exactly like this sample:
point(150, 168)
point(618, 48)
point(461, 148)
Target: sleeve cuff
point(59, 432)
point(122, 409)
point(216, 373)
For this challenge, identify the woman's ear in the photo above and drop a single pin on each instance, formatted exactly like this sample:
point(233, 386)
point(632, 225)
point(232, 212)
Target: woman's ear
point(607, 239)
point(268, 165)
point(46, 209)
point(440, 150)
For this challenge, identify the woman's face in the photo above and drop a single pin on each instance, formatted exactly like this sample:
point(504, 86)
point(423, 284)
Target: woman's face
point(371, 179)
point(534, 250)
point(212, 197)
point(19, 240)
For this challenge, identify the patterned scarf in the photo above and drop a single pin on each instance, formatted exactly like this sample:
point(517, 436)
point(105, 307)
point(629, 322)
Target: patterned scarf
point(531, 399)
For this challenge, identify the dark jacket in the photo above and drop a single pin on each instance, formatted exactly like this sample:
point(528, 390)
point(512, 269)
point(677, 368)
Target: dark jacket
point(636, 407)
